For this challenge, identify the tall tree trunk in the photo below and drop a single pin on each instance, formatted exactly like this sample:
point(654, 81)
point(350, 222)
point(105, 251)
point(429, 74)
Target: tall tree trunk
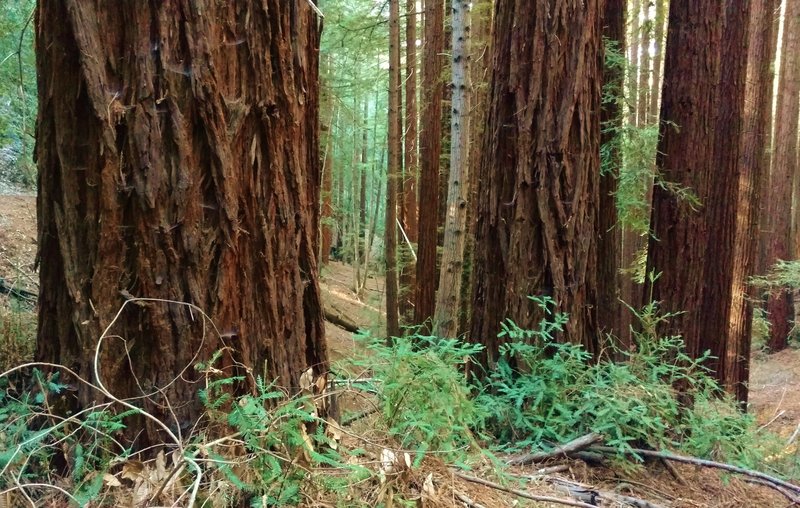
point(410, 166)
point(394, 171)
point(634, 51)
point(430, 151)
point(658, 60)
point(327, 189)
point(157, 179)
point(646, 32)
point(450, 276)
point(612, 316)
point(784, 167)
point(754, 164)
point(480, 35)
point(539, 177)
point(355, 181)
point(683, 247)
point(723, 203)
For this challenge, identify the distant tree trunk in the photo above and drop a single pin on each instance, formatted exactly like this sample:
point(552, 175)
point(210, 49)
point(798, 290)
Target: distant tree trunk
point(355, 181)
point(410, 166)
point(784, 167)
point(723, 203)
point(394, 171)
point(658, 60)
point(455, 229)
point(157, 145)
point(430, 151)
point(690, 157)
point(612, 316)
point(327, 189)
point(754, 164)
point(634, 50)
point(539, 177)
point(480, 35)
point(646, 32)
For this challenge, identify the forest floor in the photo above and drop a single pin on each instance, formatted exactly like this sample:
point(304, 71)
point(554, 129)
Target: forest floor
point(774, 393)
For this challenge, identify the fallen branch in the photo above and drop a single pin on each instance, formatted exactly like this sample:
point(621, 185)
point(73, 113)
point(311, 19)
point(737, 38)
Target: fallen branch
point(18, 293)
point(768, 480)
point(521, 493)
point(469, 503)
point(591, 495)
point(341, 322)
point(573, 446)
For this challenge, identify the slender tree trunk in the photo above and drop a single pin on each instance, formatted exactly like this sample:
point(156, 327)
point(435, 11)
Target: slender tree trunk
point(410, 166)
point(723, 203)
point(754, 163)
point(539, 177)
point(784, 166)
point(480, 35)
point(612, 316)
point(449, 291)
point(646, 31)
point(658, 59)
point(355, 181)
point(430, 151)
point(157, 180)
point(394, 171)
point(327, 189)
point(634, 50)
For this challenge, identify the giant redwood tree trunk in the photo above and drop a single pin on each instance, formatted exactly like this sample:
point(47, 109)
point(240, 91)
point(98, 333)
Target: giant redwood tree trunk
point(538, 193)
point(784, 167)
point(702, 106)
point(178, 159)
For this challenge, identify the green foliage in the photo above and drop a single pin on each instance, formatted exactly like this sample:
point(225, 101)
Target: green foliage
point(17, 92)
point(426, 400)
point(543, 393)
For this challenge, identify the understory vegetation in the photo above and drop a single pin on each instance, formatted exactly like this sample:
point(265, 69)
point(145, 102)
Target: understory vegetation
point(421, 402)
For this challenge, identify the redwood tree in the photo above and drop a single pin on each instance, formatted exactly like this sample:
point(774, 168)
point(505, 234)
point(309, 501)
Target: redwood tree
point(784, 167)
point(538, 190)
point(693, 223)
point(394, 170)
point(613, 317)
point(754, 166)
point(178, 159)
point(430, 147)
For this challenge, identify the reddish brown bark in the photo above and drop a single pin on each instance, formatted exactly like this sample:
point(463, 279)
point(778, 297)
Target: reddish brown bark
point(723, 205)
point(692, 243)
point(539, 177)
point(410, 167)
point(613, 318)
point(658, 60)
point(394, 171)
point(754, 164)
point(178, 159)
point(784, 166)
point(430, 150)
point(327, 206)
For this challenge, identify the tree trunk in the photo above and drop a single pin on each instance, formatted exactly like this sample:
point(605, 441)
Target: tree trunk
point(645, 33)
point(539, 177)
point(633, 77)
point(723, 203)
point(449, 292)
point(784, 167)
point(327, 189)
point(683, 249)
point(754, 164)
point(658, 60)
point(430, 151)
point(157, 144)
point(480, 42)
point(393, 172)
point(410, 166)
point(612, 316)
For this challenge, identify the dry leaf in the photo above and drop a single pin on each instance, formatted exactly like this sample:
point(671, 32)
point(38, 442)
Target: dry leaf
point(428, 489)
point(111, 480)
point(307, 380)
